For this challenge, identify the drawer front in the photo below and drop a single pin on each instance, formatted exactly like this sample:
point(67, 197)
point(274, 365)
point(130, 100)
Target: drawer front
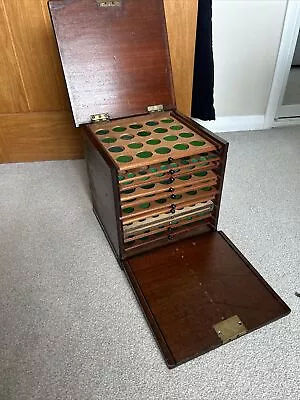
point(168, 198)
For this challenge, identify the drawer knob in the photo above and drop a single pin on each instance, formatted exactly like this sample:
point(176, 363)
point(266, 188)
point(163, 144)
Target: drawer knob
point(173, 211)
point(173, 196)
point(173, 206)
point(170, 237)
point(170, 159)
point(172, 171)
point(171, 180)
point(171, 190)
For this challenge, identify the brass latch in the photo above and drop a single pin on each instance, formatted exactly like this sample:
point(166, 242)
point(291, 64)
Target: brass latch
point(100, 118)
point(156, 108)
point(229, 329)
point(112, 3)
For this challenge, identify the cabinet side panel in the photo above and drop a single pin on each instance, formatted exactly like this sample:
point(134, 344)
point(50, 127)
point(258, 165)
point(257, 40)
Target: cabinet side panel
point(103, 195)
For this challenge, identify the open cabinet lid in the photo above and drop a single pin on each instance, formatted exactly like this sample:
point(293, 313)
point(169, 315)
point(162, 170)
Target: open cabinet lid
point(200, 293)
point(115, 56)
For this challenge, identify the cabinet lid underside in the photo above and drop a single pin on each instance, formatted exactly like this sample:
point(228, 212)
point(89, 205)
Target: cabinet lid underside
point(200, 293)
point(115, 58)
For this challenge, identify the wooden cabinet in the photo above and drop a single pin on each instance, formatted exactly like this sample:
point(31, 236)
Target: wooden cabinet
point(156, 178)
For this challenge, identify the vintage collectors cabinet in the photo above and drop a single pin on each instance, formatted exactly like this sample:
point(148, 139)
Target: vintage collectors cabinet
point(156, 179)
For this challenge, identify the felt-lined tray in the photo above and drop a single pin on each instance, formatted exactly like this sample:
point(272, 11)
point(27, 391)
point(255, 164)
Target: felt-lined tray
point(147, 140)
point(163, 235)
point(162, 188)
point(162, 218)
point(166, 206)
point(166, 227)
point(184, 165)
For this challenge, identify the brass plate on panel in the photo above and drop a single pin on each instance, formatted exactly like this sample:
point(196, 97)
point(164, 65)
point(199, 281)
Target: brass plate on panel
point(114, 3)
point(229, 329)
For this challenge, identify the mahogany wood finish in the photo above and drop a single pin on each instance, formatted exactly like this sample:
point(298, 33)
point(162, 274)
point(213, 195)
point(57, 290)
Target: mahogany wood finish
point(120, 69)
point(116, 60)
point(188, 287)
point(103, 185)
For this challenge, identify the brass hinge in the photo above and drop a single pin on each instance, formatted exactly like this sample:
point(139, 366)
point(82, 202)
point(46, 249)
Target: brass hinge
point(113, 3)
point(156, 108)
point(230, 328)
point(100, 118)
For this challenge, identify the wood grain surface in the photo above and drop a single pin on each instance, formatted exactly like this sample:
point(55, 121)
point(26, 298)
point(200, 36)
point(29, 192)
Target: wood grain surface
point(12, 94)
point(187, 288)
point(159, 189)
point(36, 55)
point(158, 136)
point(181, 16)
point(121, 70)
point(32, 81)
point(36, 136)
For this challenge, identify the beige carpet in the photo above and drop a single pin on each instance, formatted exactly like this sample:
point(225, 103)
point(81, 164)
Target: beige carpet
point(70, 327)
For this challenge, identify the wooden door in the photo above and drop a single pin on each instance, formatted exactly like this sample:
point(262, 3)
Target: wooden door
point(35, 117)
point(181, 16)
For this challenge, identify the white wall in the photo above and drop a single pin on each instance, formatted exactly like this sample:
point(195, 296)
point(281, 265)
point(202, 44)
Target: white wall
point(246, 39)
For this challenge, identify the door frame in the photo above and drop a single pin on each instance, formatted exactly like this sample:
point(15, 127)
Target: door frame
point(284, 61)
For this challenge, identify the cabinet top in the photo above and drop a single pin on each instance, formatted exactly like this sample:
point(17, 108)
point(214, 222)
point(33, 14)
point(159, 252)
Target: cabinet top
point(115, 56)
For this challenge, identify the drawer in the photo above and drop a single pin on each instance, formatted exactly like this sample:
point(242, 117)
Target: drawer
point(152, 141)
point(166, 223)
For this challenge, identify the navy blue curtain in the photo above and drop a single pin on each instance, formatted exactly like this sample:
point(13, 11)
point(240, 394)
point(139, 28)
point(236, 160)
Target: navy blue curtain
point(203, 85)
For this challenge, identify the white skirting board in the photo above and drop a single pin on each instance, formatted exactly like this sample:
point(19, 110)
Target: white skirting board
point(235, 123)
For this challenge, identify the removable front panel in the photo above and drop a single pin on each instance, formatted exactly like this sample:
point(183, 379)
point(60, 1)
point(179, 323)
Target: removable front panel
point(200, 293)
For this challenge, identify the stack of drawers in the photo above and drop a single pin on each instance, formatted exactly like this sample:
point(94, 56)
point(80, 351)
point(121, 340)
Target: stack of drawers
point(167, 176)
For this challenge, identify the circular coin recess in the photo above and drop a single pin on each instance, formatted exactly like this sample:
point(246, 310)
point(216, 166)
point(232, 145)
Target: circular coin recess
point(163, 150)
point(136, 126)
point(124, 159)
point(119, 129)
point(144, 154)
point(102, 132)
point(152, 123)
